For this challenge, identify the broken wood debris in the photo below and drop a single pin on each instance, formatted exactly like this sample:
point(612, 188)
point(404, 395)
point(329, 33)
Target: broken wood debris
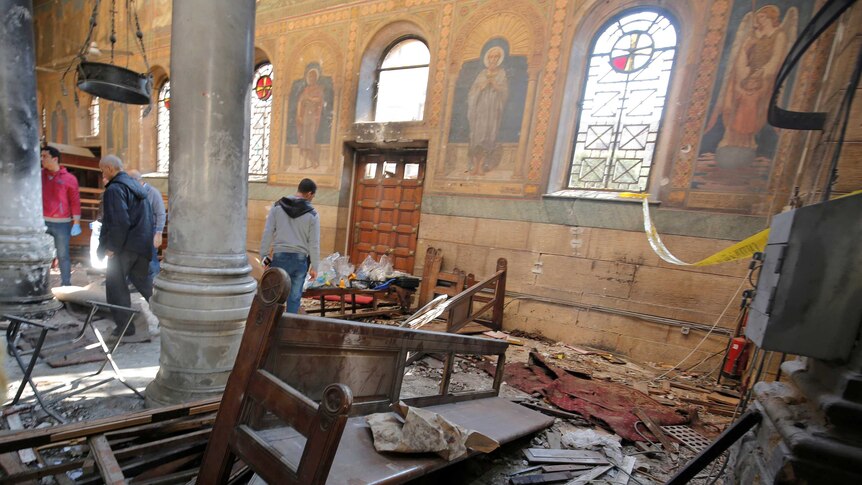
point(574, 457)
point(155, 446)
point(547, 477)
point(654, 429)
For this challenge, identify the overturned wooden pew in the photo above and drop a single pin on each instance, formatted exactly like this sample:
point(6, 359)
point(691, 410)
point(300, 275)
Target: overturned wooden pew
point(295, 404)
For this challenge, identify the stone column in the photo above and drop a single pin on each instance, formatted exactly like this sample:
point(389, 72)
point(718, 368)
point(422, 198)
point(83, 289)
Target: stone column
point(26, 250)
point(204, 290)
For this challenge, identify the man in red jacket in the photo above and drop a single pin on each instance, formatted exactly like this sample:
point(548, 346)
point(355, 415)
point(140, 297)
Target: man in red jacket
point(61, 207)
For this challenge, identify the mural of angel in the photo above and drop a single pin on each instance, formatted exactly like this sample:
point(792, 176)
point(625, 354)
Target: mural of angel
point(485, 103)
point(761, 43)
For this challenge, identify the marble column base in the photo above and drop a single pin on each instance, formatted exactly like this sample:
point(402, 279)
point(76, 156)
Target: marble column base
point(202, 313)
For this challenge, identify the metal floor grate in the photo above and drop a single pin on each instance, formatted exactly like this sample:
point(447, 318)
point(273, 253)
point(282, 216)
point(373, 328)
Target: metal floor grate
point(688, 437)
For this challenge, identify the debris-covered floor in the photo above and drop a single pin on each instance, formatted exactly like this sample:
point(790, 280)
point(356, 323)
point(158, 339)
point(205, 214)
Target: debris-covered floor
point(607, 409)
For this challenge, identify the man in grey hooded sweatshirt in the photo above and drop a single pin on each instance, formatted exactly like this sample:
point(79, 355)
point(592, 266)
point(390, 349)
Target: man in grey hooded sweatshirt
point(292, 233)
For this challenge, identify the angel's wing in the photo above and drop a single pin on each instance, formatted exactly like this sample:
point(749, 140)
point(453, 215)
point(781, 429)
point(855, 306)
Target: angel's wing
point(790, 25)
point(721, 103)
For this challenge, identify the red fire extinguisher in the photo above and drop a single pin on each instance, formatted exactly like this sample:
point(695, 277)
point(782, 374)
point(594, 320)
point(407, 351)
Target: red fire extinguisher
point(736, 358)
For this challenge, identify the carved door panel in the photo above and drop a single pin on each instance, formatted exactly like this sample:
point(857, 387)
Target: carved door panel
point(386, 207)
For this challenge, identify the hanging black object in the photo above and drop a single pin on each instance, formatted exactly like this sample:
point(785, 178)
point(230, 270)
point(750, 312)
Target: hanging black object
point(115, 83)
point(108, 80)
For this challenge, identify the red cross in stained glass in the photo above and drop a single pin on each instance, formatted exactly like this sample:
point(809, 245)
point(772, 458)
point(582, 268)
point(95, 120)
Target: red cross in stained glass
point(263, 88)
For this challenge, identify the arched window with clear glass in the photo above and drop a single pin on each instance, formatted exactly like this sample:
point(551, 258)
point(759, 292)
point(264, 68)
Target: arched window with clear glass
point(625, 91)
point(402, 80)
point(163, 128)
point(261, 119)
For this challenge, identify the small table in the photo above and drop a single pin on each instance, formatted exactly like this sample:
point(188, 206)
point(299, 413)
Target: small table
point(350, 296)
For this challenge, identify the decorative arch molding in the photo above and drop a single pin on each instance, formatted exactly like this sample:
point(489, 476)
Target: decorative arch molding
point(689, 18)
point(520, 23)
point(517, 31)
point(147, 135)
point(377, 44)
point(261, 55)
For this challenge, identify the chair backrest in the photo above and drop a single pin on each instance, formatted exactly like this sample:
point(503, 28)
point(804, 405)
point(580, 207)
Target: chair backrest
point(436, 282)
point(251, 391)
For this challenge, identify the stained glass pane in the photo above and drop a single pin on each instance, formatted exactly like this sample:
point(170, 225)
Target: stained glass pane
point(402, 81)
point(163, 128)
point(261, 119)
point(624, 97)
point(93, 114)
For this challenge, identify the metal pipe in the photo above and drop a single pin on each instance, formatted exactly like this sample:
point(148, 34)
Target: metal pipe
point(673, 322)
point(727, 438)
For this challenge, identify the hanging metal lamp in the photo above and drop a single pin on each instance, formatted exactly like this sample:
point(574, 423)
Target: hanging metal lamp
point(108, 80)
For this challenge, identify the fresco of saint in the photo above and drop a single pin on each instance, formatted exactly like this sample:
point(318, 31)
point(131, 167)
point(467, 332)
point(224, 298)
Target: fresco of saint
point(309, 107)
point(485, 104)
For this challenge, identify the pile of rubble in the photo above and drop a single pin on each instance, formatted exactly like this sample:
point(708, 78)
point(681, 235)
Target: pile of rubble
point(616, 423)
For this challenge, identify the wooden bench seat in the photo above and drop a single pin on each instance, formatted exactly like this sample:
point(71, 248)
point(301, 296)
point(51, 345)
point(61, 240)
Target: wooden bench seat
point(356, 460)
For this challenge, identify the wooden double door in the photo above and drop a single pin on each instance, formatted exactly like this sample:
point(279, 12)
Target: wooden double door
point(387, 200)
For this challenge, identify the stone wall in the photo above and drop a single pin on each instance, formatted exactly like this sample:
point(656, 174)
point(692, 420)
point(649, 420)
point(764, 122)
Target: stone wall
point(581, 270)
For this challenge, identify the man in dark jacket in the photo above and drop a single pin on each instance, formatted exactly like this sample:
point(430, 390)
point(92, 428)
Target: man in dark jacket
point(126, 238)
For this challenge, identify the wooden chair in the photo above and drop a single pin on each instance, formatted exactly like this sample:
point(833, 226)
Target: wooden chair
point(250, 388)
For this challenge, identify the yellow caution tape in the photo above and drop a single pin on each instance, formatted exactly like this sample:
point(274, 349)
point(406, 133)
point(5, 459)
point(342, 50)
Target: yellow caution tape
point(741, 250)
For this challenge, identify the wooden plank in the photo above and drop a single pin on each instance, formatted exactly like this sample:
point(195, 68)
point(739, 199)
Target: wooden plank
point(557, 413)
point(32, 476)
point(729, 401)
point(140, 465)
point(624, 471)
point(565, 468)
point(169, 467)
point(173, 478)
point(546, 477)
point(26, 454)
point(153, 430)
point(109, 469)
point(12, 465)
point(654, 429)
point(592, 475)
point(687, 387)
point(196, 437)
point(16, 440)
point(583, 457)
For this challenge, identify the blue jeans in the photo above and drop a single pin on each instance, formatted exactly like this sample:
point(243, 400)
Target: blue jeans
point(62, 232)
point(296, 267)
point(154, 265)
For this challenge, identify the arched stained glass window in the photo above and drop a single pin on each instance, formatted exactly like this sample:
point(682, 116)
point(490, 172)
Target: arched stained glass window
point(93, 116)
point(624, 97)
point(261, 119)
point(402, 79)
point(163, 128)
